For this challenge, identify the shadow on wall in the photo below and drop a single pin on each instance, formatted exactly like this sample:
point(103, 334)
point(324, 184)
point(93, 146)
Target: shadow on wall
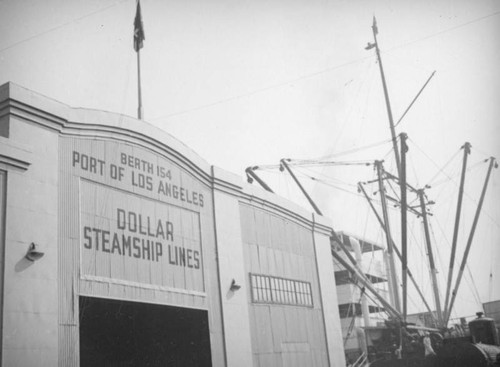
point(33, 254)
point(233, 288)
point(23, 264)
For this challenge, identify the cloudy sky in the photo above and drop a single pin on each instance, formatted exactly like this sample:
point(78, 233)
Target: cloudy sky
point(250, 82)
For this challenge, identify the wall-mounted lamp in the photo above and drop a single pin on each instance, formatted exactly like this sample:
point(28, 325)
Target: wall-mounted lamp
point(234, 287)
point(34, 252)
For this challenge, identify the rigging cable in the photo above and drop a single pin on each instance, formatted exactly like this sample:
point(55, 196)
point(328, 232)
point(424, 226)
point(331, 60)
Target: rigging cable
point(325, 179)
point(350, 109)
point(349, 192)
point(440, 169)
point(302, 77)
point(368, 295)
point(411, 163)
point(263, 89)
point(355, 150)
point(315, 163)
point(457, 174)
point(472, 283)
point(497, 224)
point(314, 74)
point(411, 295)
point(438, 252)
point(496, 258)
point(354, 315)
point(366, 100)
point(474, 286)
point(411, 231)
point(444, 31)
point(61, 26)
point(346, 152)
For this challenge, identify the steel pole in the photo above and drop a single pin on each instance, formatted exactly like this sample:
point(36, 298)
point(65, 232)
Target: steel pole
point(366, 283)
point(313, 204)
point(404, 237)
point(430, 255)
point(386, 95)
point(388, 237)
point(253, 176)
point(466, 147)
point(410, 275)
point(140, 111)
point(469, 241)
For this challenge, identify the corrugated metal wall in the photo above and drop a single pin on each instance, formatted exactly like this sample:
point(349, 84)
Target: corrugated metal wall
point(107, 190)
point(283, 335)
point(3, 205)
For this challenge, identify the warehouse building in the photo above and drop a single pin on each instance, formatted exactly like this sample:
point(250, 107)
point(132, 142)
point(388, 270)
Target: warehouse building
point(121, 247)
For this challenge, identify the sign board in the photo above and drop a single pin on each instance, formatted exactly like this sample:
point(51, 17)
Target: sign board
point(125, 237)
point(140, 217)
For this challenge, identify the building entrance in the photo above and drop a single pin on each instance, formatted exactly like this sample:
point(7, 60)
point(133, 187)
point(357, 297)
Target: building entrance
point(120, 333)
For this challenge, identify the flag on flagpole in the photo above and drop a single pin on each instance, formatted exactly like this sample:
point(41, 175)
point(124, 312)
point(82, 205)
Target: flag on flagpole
point(374, 26)
point(138, 29)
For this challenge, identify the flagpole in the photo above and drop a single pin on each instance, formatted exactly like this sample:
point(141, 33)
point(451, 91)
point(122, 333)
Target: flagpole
point(140, 110)
point(138, 44)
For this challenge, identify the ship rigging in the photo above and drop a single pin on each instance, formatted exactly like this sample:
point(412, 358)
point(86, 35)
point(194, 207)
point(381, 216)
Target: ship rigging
point(409, 199)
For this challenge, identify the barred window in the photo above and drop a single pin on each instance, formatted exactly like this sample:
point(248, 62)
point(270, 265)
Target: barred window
point(268, 289)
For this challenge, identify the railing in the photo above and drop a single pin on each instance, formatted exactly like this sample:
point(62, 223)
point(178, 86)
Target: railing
point(361, 361)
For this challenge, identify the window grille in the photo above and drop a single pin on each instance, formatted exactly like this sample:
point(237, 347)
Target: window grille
point(269, 289)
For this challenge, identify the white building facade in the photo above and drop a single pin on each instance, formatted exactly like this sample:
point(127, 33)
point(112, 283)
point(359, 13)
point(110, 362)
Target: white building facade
point(121, 246)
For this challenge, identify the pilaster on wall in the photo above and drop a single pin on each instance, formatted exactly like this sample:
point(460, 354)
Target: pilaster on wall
point(231, 266)
point(326, 274)
point(29, 158)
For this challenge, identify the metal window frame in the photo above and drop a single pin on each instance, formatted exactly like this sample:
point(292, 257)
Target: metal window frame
point(274, 290)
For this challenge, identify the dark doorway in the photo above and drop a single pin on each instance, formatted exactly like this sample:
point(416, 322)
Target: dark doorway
point(119, 333)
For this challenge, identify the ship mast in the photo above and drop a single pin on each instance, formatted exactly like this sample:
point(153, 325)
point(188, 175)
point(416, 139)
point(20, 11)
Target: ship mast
point(404, 236)
point(430, 255)
point(393, 282)
point(386, 95)
point(469, 241)
point(393, 277)
point(466, 147)
point(401, 178)
point(396, 251)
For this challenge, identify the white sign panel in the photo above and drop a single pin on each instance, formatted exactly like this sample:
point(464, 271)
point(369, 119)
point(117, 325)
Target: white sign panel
point(131, 239)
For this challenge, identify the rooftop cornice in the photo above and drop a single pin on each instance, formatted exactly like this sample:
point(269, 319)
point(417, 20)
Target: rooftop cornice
point(20, 103)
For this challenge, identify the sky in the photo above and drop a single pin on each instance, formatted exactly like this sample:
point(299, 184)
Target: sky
point(247, 83)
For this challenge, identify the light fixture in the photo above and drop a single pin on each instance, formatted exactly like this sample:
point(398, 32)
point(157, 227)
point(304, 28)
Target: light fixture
point(234, 287)
point(33, 252)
